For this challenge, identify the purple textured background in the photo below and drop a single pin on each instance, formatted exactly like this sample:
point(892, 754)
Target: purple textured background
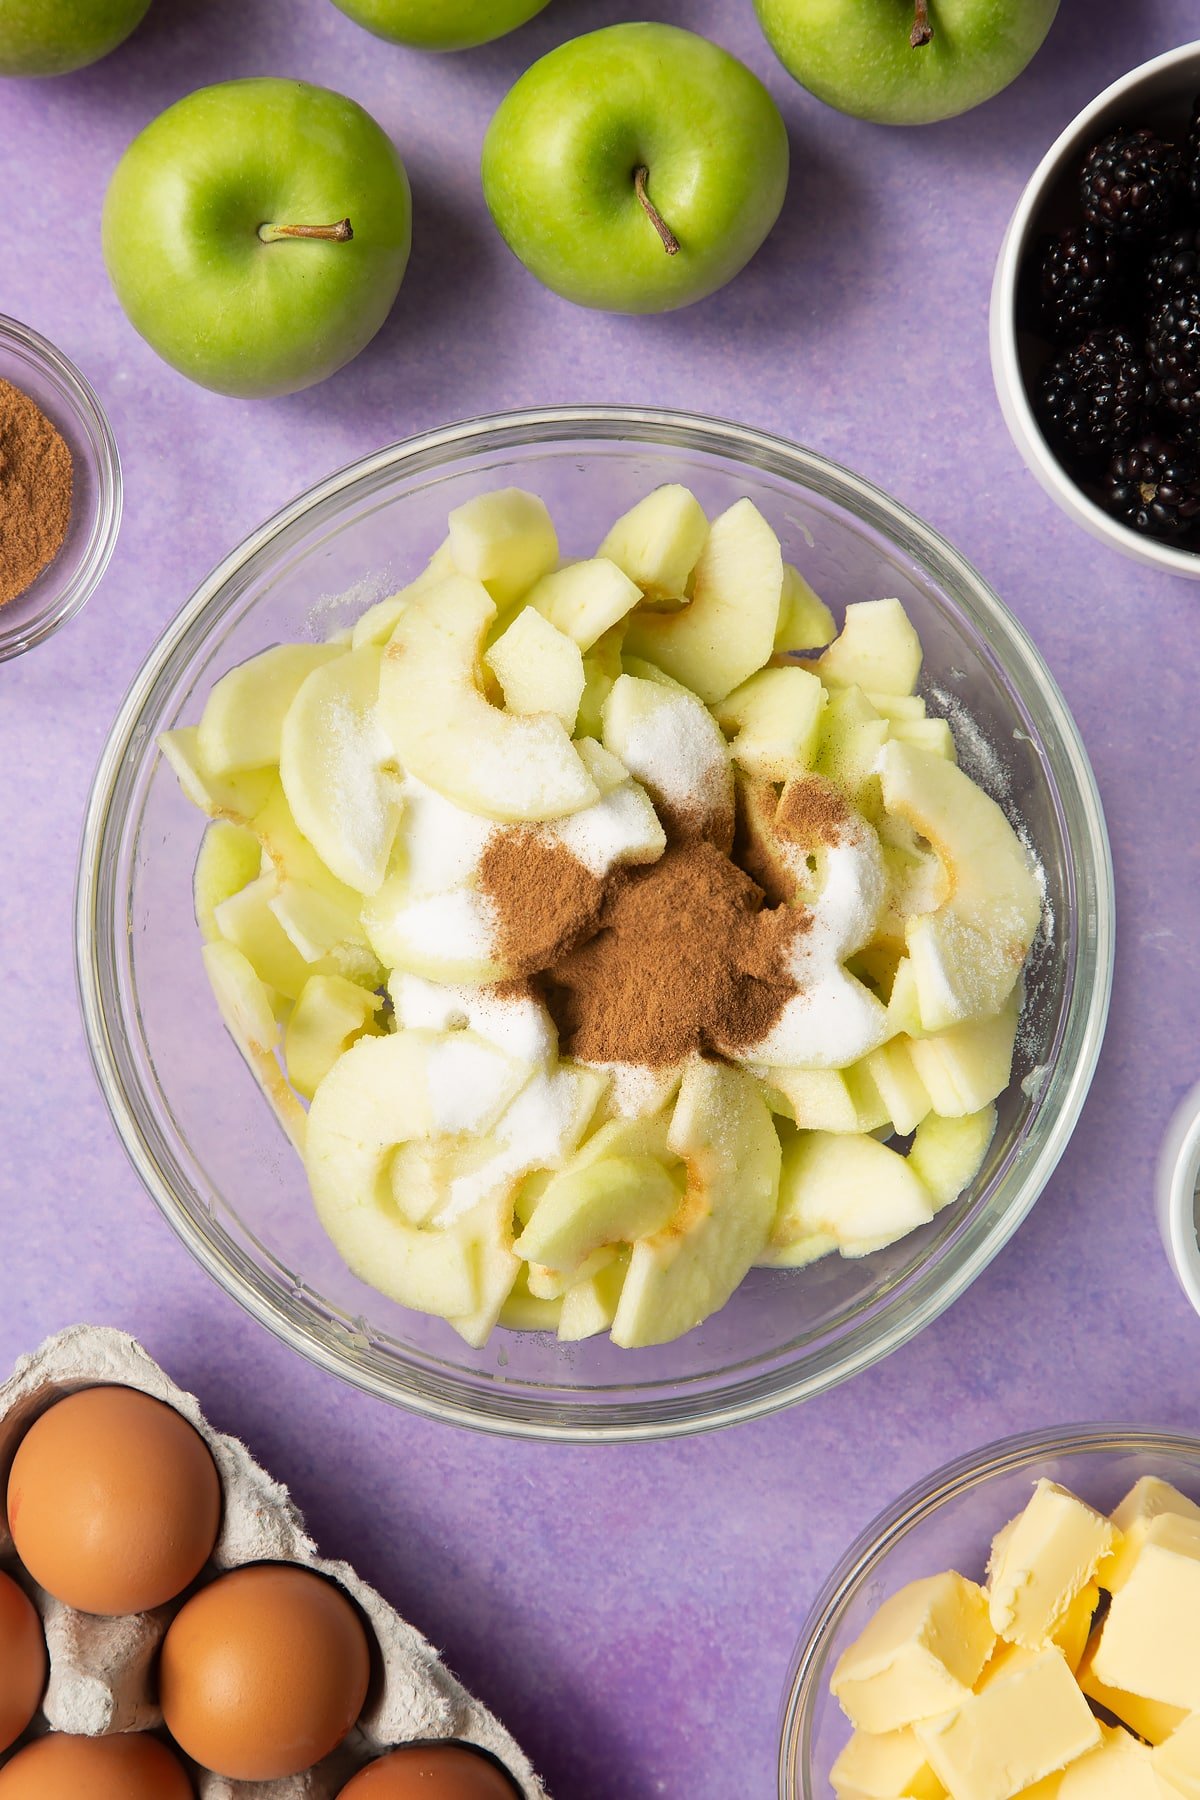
point(629, 1611)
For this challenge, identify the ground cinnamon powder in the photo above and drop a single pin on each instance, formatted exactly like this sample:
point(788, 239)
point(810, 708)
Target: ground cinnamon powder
point(684, 959)
point(545, 899)
point(36, 479)
point(811, 810)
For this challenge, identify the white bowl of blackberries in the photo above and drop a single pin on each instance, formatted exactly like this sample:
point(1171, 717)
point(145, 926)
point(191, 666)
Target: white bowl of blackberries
point(1095, 322)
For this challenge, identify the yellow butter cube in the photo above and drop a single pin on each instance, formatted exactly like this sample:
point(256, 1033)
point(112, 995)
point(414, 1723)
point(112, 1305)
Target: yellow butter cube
point(1027, 1724)
point(1149, 1718)
point(920, 1655)
point(1150, 1641)
point(1043, 1562)
point(1119, 1768)
point(1073, 1630)
point(1146, 1500)
point(1177, 1761)
point(889, 1766)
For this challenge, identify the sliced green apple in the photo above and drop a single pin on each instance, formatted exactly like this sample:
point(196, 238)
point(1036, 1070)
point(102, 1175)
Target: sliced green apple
point(585, 599)
point(247, 921)
point(728, 631)
point(675, 748)
point(233, 797)
point(589, 1305)
point(933, 735)
point(338, 771)
point(242, 721)
point(850, 1188)
point(229, 859)
point(805, 622)
point(658, 543)
point(774, 722)
point(539, 668)
point(524, 1310)
point(852, 735)
point(679, 1276)
point(877, 649)
point(505, 539)
point(330, 1015)
point(501, 765)
point(830, 1099)
point(601, 666)
point(614, 1200)
point(967, 954)
point(246, 1007)
point(967, 1066)
point(947, 1154)
point(489, 1234)
point(904, 1095)
point(377, 624)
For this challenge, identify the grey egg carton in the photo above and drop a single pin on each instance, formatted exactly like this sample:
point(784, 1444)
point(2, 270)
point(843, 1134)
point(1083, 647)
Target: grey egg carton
point(102, 1670)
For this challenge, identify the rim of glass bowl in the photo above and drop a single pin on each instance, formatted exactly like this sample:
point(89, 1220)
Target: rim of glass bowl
point(745, 1390)
point(806, 1676)
point(92, 420)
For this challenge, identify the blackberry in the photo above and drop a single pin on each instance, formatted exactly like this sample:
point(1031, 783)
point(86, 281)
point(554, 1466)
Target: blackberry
point(1174, 260)
point(1079, 283)
point(1192, 154)
point(1094, 397)
point(1153, 486)
point(1173, 345)
point(1133, 184)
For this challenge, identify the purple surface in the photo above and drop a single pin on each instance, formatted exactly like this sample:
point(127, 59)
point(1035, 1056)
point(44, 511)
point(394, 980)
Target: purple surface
point(630, 1611)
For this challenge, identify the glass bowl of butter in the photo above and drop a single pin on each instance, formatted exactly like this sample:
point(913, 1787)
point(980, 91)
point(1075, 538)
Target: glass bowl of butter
point(191, 1116)
point(1025, 1622)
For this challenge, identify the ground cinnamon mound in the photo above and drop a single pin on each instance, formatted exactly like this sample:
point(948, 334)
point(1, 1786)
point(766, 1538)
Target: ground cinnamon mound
point(36, 479)
point(811, 810)
point(684, 959)
point(544, 897)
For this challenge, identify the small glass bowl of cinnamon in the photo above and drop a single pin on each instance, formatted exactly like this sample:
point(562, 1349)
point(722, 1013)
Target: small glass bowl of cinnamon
point(60, 489)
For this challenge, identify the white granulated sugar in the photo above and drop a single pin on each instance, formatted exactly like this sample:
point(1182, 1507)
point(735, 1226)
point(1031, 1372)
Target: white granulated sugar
point(976, 752)
point(617, 828)
point(457, 924)
point(516, 1023)
point(330, 612)
point(846, 908)
point(674, 750)
point(441, 843)
point(363, 794)
point(535, 1132)
point(469, 1081)
point(636, 1090)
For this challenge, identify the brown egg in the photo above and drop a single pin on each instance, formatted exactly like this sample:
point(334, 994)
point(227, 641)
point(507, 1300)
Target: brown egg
point(264, 1672)
point(108, 1768)
point(113, 1501)
point(22, 1661)
point(431, 1772)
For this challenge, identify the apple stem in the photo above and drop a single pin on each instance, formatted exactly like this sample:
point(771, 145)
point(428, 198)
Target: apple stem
point(922, 30)
point(341, 233)
point(670, 242)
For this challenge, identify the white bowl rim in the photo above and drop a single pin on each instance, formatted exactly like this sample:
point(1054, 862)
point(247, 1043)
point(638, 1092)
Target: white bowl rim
point(925, 1497)
point(1010, 386)
point(531, 426)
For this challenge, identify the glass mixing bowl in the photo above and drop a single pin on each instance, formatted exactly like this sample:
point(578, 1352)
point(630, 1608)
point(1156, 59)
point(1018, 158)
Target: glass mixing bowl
point(948, 1522)
point(191, 1116)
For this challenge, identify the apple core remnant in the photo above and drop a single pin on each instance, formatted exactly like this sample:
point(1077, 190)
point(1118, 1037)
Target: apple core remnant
point(36, 479)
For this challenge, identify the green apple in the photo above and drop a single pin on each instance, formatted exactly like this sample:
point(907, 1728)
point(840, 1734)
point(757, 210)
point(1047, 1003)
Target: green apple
point(441, 24)
point(256, 234)
point(636, 169)
point(54, 37)
point(905, 62)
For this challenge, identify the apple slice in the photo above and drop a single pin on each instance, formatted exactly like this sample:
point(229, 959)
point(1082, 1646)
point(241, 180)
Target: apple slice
point(852, 735)
point(384, 1092)
point(552, 1284)
point(947, 1154)
point(242, 720)
point(723, 1131)
point(805, 622)
point(853, 1189)
point(616, 1199)
point(933, 735)
point(505, 539)
point(728, 631)
point(233, 797)
point(585, 599)
point(903, 1093)
point(325, 932)
point(967, 1066)
point(538, 1130)
point(377, 624)
point(830, 1099)
point(774, 721)
point(338, 771)
point(247, 921)
point(589, 1305)
point(526, 1311)
point(674, 746)
point(877, 650)
point(967, 954)
point(230, 857)
point(896, 707)
point(500, 765)
point(330, 1015)
point(658, 543)
point(245, 1006)
point(488, 1232)
point(539, 668)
